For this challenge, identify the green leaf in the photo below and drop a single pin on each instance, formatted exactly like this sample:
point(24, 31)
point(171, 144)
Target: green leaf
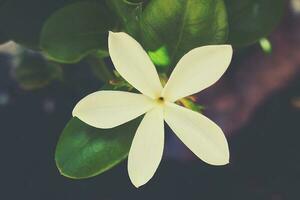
point(191, 104)
point(22, 20)
point(160, 57)
point(128, 13)
point(76, 30)
point(250, 20)
point(183, 25)
point(265, 45)
point(35, 72)
point(84, 151)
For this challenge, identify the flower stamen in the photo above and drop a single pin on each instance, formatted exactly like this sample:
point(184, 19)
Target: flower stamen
point(160, 100)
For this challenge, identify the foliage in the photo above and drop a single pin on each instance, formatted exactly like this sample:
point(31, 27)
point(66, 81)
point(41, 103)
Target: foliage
point(183, 25)
point(34, 72)
point(22, 21)
point(69, 42)
point(250, 20)
point(84, 151)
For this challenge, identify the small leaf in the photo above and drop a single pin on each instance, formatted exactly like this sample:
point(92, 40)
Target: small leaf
point(265, 45)
point(84, 151)
point(76, 30)
point(250, 20)
point(35, 72)
point(190, 103)
point(183, 25)
point(160, 57)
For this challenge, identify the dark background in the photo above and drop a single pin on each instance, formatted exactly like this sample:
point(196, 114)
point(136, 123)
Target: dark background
point(256, 103)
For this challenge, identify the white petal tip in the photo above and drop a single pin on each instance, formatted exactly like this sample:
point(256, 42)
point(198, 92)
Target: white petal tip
point(137, 185)
point(228, 47)
point(137, 181)
point(111, 33)
point(114, 34)
point(218, 163)
point(74, 112)
point(221, 161)
point(111, 36)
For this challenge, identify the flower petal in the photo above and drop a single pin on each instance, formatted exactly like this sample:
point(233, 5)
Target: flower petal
point(134, 64)
point(108, 109)
point(147, 148)
point(197, 70)
point(202, 136)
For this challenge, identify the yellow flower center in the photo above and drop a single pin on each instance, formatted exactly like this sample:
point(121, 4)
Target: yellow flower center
point(160, 100)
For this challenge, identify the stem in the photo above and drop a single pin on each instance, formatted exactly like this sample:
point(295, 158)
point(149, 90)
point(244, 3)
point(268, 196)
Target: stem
point(100, 68)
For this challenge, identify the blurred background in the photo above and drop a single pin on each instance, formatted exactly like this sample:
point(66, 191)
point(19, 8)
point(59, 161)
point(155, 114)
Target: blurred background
point(257, 103)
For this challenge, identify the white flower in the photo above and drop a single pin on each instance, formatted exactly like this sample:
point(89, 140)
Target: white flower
point(197, 70)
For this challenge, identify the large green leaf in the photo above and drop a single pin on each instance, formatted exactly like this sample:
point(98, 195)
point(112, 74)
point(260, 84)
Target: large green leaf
point(250, 20)
point(22, 20)
point(181, 25)
point(75, 31)
point(84, 151)
point(35, 72)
